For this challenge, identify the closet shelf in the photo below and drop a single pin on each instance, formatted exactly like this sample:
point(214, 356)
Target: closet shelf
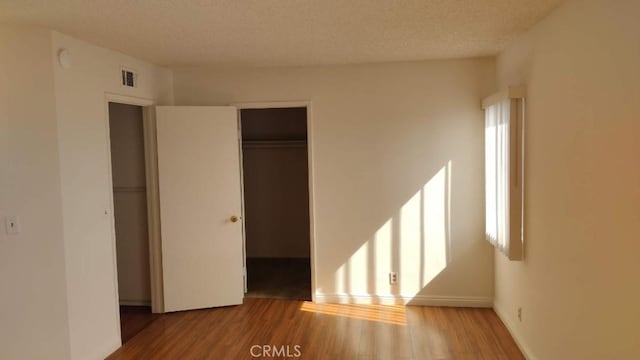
point(274, 143)
point(129, 189)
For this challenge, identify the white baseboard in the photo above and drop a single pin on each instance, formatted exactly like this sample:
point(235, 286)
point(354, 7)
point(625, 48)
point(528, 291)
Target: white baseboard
point(421, 300)
point(135, 302)
point(509, 325)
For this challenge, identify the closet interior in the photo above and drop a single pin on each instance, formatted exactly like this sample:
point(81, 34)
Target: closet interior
point(276, 202)
point(126, 137)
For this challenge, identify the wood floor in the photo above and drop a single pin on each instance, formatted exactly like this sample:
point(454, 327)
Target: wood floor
point(323, 331)
point(134, 319)
point(279, 278)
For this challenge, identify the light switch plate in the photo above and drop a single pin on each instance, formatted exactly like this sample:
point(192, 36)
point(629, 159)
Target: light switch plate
point(12, 225)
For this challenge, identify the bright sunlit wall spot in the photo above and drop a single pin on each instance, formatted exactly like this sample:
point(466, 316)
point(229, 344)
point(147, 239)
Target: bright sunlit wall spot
point(414, 242)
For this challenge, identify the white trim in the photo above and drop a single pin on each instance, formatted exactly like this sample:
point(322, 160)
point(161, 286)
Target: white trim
point(509, 325)
point(310, 163)
point(511, 92)
point(419, 300)
point(130, 100)
point(153, 209)
point(245, 279)
point(273, 105)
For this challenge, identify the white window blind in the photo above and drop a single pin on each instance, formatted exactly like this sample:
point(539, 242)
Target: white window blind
point(504, 171)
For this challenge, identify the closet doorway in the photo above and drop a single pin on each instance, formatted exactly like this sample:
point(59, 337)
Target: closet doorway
point(126, 138)
point(276, 202)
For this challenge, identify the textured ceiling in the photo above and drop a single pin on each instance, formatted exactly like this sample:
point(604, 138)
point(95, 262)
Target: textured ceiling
point(286, 32)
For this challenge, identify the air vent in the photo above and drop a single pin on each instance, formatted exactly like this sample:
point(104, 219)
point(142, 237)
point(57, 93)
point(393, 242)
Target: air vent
point(129, 78)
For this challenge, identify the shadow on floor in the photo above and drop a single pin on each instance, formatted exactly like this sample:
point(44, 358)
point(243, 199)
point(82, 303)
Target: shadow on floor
point(279, 278)
point(134, 319)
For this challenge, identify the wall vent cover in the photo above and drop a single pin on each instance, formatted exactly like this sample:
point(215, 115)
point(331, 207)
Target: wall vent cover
point(129, 78)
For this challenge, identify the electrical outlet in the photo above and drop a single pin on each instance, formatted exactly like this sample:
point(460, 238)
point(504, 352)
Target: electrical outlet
point(520, 314)
point(12, 225)
point(393, 278)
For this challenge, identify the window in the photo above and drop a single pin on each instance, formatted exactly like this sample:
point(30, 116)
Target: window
point(504, 170)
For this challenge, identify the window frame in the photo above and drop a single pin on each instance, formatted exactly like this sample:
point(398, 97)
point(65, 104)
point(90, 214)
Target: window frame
point(513, 245)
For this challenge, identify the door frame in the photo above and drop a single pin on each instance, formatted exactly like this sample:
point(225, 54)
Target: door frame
point(153, 216)
point(310, 163)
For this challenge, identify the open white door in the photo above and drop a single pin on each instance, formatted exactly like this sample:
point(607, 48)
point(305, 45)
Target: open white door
point(200, 204)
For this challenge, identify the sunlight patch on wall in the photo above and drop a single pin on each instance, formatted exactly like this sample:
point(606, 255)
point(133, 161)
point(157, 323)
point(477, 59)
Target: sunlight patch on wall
point(414, 242)
point(435, 227)
point(410, 244)
point(340, 276)
point(382, 246)
point(360, 269)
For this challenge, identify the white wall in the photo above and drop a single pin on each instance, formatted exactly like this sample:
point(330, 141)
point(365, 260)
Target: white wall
point(578, 285)
point(397, 153)
point(86, 185)
point(33, 304)
point(130, 203)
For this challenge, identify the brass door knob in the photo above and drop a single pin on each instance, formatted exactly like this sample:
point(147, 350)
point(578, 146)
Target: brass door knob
point(234, 218)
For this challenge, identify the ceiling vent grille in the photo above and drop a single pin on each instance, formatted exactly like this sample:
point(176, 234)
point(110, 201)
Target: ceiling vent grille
point(129, 78)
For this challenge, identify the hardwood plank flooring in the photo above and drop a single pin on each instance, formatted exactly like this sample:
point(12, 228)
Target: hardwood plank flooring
point(279, 278)
point(134, 319)
point(323, 331)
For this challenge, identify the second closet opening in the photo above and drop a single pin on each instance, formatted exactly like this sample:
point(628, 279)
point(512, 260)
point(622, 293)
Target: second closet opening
point(276, 200)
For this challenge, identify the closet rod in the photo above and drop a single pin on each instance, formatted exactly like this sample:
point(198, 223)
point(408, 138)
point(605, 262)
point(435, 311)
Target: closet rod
point(129, 189)
point(274, 143)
